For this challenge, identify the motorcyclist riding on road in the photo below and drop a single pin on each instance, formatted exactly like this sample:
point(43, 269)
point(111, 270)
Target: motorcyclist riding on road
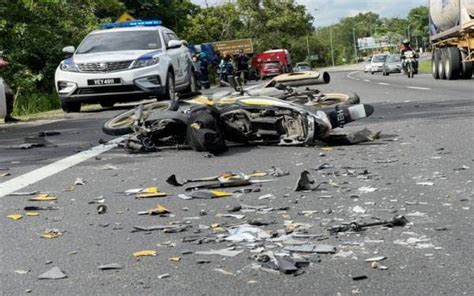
point(405, 48)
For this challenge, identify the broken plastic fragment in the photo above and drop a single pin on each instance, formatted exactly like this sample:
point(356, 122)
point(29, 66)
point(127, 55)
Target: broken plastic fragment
point(32, 214)
point(229, 252)
point(54, 273)
point(43, 197)
point(173, 180)
point(223, 271)
point(208, 194)
point(163, 276)
point(79, 181)
point(159, 210)
point(367, 189)
point(425, 183)
point(150, 192)
point(144, 253)
point(375, 259)
point(110, 266)
point(51, 233)
point(303, 182)
point(15, 216)
point(174, 259)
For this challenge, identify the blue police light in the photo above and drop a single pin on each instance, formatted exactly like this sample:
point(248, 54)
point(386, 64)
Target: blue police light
point(135, 23)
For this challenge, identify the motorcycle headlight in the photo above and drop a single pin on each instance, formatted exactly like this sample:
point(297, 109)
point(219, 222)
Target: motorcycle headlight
point(140, 63)
point(69, 67)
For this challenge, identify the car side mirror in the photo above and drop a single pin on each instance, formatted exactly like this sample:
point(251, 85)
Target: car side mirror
point(69, 49)
point(175, 44)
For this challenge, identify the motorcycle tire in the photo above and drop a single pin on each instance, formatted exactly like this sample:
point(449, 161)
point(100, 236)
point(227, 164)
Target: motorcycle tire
point(122, 123)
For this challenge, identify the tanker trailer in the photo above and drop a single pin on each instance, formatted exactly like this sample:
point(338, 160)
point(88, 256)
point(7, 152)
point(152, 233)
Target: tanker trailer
point(452, 38)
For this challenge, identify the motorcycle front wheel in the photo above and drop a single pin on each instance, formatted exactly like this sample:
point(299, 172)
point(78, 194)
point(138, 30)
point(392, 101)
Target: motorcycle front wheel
point(122, 124)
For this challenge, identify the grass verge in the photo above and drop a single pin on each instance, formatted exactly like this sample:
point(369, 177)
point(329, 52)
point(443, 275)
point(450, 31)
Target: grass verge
point(425, 67)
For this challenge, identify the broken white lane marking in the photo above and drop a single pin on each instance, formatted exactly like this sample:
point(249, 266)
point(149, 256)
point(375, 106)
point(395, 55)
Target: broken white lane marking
point(37, 175)
point(383, 83)
point(252, 87)
point(417, 87)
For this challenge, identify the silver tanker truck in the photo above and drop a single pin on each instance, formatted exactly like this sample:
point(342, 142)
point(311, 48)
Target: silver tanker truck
point(452, 37)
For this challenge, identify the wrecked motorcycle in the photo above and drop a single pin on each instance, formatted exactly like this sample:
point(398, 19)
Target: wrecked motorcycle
point(281, 87)
point(205, 124)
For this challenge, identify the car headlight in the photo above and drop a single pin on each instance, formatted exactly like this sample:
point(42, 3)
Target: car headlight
point(68, 66)
point(140, 63)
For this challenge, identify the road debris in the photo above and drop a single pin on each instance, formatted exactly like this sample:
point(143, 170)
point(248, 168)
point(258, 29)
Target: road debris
point(159, 210)
point(150, 192)
point(54, 273)
point(356, 227)
point(51, 233)
point(43, 197)
point(144, 253)
point(79, 181)
point(110, 266)
point(101, 209)
point(15, 216)
point(228, 252)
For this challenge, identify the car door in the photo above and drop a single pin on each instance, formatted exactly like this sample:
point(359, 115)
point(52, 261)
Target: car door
point(184, 62)
point(174, 54)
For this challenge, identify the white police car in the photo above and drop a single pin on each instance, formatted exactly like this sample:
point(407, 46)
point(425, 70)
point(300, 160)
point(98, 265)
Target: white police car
point(124, 62)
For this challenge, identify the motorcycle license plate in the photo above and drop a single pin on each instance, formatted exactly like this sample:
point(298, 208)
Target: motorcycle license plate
point(104, 81)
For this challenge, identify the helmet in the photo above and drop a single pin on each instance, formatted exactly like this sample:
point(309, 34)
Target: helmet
point(406, 41)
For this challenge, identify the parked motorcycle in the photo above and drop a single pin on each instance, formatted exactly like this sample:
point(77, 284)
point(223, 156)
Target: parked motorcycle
point(204, 124)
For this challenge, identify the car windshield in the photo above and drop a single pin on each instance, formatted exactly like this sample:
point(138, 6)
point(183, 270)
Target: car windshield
point(394, 58)
point(118, 41)
point(379, 58)
point(302, 65)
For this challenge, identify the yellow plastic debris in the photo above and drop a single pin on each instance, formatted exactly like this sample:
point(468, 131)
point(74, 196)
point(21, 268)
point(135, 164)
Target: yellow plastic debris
point(32, 214)
point(221, 193)
point(258, 174)
point(327, 149)
point(158, 210)
point(174, 258)
point(15, 216)
point(50, 234)
point(144, 253)
point(43, 197)
point(150, 192)
point(215, 225)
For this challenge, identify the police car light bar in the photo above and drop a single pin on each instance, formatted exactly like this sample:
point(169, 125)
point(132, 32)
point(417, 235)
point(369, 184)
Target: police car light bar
point(135, 23)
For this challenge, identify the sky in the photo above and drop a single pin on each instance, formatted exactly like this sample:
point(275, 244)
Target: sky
point(330, 12)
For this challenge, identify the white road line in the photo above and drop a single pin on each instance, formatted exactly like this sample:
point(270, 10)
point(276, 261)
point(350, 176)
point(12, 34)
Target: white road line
point(252, 87)
point(37, 175)
point(417, 87)
point(383, 83)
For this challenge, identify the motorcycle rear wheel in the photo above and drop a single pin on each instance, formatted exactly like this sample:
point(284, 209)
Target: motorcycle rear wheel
point(122, 123)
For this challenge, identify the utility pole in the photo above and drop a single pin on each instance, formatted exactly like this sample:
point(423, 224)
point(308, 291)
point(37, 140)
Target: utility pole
point(355, 45)
point(332, 47)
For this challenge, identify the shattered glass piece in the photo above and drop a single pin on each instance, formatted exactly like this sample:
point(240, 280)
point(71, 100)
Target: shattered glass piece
point(110, 266)
point(51, 233)
point(144, 253)
point(184, 196)
point(54, 273)
point(277, 172)
point(235, 216)
point(307, 248)
point(163, 276)
point(425, 183)
point(229, 252)
point(22, 271)
point(246, 233)
point(358, 210)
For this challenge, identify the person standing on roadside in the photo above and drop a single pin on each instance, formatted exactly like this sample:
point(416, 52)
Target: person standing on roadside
point(204, 70)
point(243, 65)
point(8, 96)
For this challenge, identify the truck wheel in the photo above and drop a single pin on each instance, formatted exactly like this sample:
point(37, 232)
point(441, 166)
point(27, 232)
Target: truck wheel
point(435, 60)
point(69, 107)
point(442, 63)
point(466, 72)
point(452, 63)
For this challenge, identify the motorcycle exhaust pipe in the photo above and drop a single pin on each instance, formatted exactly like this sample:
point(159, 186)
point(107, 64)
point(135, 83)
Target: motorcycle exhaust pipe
point(298, 79)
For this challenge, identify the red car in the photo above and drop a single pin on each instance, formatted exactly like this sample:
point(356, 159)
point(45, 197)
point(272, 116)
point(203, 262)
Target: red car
point(271, 69)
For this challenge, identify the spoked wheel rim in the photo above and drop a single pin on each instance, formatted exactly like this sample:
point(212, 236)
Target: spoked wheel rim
point(122, 123)
point(171, 87)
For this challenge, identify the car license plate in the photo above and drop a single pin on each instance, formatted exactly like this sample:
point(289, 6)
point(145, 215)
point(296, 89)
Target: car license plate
point(104, 81)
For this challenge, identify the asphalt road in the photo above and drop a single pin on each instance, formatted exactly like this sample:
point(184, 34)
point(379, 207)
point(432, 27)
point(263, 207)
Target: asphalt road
point(421, 168)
